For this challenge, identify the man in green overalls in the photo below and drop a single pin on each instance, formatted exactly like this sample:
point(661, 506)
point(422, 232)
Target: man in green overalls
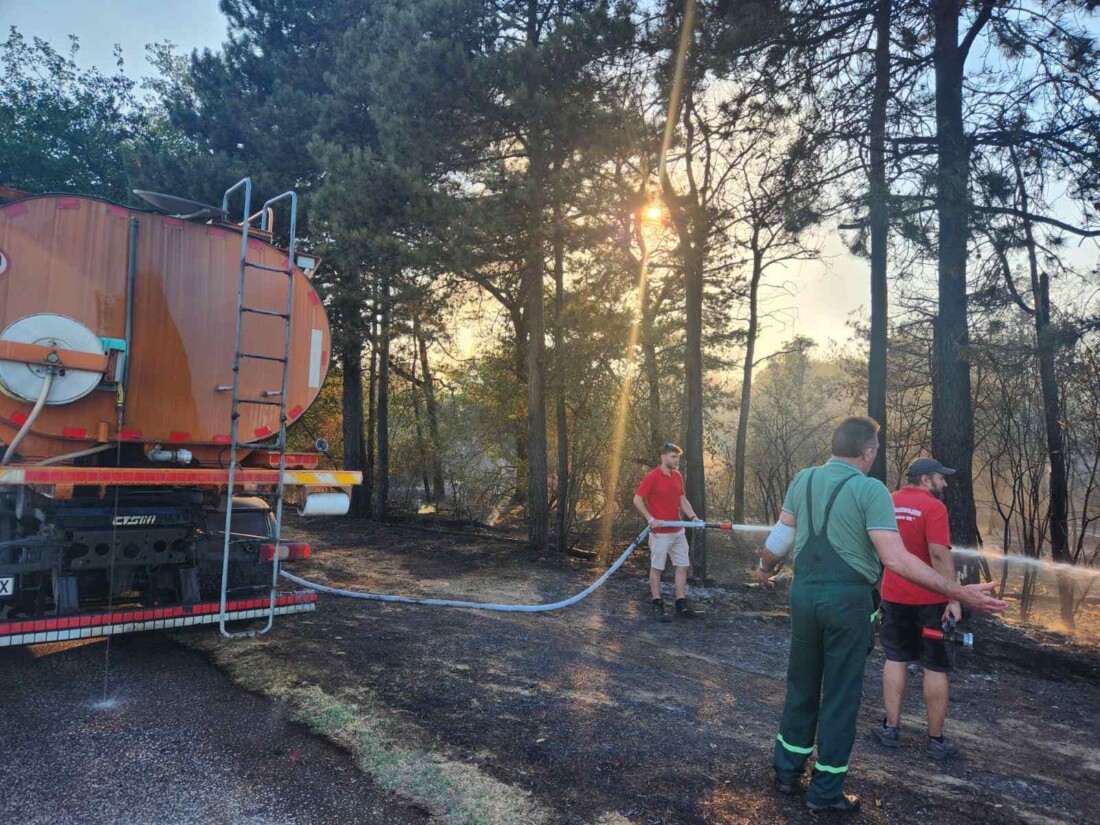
point(841, 526)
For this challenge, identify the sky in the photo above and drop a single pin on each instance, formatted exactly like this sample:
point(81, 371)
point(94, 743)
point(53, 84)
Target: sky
point(824, 296)
point(100, 24)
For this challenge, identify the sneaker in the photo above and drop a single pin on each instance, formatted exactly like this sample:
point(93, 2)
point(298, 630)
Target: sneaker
point(887, 735)
point(684, 609)
point(659, 611)
point(848, 803)
point(942, 748)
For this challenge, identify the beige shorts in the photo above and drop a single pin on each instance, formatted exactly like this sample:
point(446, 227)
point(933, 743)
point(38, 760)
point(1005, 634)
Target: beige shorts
point(663, 545)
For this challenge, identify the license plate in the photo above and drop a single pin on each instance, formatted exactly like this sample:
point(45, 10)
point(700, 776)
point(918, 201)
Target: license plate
point(7, 586)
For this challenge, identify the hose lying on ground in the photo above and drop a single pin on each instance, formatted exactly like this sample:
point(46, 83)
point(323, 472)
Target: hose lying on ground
point(521, 608)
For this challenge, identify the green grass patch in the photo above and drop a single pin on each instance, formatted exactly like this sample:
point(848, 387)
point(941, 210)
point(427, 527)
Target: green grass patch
point(387, 750)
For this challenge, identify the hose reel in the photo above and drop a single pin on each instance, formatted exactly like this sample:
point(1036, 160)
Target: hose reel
point(37, 346)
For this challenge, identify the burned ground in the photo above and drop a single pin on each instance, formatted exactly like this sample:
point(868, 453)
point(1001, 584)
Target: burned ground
point(599, 714)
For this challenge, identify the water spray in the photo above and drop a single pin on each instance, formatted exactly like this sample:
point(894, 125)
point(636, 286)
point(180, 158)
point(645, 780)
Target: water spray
point(991, 555)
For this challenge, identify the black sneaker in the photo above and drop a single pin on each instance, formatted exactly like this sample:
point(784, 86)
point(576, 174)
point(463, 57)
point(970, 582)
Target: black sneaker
point(942, 748)
point(684, 609)
point(848, 803)
point(659, 611)
point(887, 735)
point(789, 787)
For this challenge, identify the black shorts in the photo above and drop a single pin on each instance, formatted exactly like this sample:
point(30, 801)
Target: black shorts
point(901, 634)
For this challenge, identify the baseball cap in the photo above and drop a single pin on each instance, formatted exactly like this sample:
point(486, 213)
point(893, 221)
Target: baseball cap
point(925, 466)
point(671, 448)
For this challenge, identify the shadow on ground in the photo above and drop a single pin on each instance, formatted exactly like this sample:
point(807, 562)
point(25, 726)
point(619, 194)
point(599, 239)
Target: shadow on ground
point(598, 711)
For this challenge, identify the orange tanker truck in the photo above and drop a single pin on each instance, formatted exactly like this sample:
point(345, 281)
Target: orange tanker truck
point(151, 361)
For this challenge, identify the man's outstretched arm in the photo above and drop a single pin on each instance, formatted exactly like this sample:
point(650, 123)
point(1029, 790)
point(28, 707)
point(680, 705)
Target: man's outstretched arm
point(891, 551)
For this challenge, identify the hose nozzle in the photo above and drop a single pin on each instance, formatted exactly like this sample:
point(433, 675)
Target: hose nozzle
point(949, 635)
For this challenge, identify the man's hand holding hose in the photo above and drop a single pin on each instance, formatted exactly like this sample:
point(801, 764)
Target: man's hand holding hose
point(779, 544)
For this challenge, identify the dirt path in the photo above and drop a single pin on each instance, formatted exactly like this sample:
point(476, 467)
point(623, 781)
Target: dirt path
point(598, 714)
point(178, 744)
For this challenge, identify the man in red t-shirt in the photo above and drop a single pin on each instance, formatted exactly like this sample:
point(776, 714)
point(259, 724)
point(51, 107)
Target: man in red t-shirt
point(660, 497)
point(907, 609)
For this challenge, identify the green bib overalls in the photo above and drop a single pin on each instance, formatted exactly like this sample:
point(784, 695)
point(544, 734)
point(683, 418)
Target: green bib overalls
point(830, 635)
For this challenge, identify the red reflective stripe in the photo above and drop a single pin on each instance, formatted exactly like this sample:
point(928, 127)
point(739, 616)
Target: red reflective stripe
point(68, 203)
point(13, 210)
point(129, 435)
point(18, 418)
point(73, 432)
point(223, 439)
point(173, 223)
point(179, 437)
point(314, 299)
point(294, 413)
point(298, 461)
point(262, 431)
point(117, 211)
point(214, 232)
point(122, 617)
point(108, 476)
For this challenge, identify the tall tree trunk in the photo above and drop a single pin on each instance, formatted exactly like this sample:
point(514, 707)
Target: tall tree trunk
point(421, 447)
point(1058, 508)
point(355, 449)
point(880, 222)
point(384, 400)
point(537, 168)
point(652, 375)
point(432, 409)
point(522, 333)
point(372, 403)
point(952, 413)
point(1059, 481)
point(746, 383)
point(537, 492)
point(695, 481)
point(562, 520)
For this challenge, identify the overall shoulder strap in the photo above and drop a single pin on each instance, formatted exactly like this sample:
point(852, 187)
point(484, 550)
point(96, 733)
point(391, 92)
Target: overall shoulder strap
point(810, 500)
point(832, 501)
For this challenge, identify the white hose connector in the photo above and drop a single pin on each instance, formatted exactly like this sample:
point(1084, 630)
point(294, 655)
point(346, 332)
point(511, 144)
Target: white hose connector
point(168, 456)
point(9, 453)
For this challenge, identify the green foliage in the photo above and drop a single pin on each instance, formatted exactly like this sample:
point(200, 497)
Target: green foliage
point(64, 128)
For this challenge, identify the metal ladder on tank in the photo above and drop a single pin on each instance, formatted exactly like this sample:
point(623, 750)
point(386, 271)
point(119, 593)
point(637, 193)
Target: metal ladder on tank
point(271, 398)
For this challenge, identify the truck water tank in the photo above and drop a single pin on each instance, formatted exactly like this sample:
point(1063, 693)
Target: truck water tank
point(64, 278)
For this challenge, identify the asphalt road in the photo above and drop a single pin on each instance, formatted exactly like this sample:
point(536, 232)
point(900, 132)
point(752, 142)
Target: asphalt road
point(177, 743)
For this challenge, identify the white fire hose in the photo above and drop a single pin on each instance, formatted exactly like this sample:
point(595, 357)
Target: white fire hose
point(525, 608)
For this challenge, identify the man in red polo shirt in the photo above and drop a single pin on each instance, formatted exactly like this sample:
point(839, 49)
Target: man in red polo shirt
point(660, 497)
point(907, 609)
